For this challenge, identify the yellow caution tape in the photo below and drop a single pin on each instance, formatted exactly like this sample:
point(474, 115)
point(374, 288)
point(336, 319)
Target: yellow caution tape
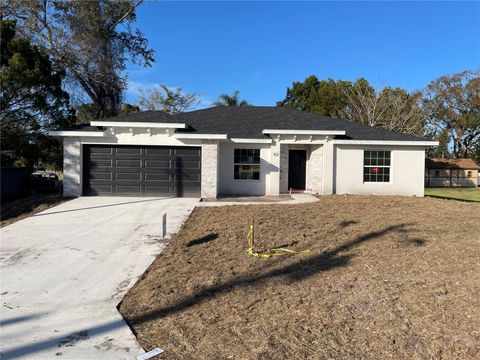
point(274, 252)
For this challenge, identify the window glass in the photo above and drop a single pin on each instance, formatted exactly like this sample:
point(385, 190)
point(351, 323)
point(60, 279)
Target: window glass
point(246, 164)
point(376, 166)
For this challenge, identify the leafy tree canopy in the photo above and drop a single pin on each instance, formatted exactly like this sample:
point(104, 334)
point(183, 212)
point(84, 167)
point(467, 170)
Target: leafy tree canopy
point(452, 106)
point(90, 40)
point(31, 101)
point(31, 88)
point(391, 108)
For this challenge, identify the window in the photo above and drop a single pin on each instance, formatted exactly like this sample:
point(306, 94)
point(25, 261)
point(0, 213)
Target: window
point(437, 173)
point(246, 164)
point(376, 166)
point(469, 174)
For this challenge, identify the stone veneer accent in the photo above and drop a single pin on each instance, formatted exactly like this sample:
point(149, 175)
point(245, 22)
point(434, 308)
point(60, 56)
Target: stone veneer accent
point(283, 169)
point(72, 158)
point(316, 168)
point(209, 181)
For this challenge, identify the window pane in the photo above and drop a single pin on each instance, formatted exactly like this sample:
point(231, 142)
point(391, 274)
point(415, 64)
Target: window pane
point(247, 172)
point(376, 165)
point(246, 156)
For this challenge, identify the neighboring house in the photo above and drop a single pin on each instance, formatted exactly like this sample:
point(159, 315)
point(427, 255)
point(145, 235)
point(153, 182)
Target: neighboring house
point(239, 151)
point(451, 172)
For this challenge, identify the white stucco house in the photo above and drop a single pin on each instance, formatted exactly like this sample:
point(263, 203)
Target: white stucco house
point(239, 151)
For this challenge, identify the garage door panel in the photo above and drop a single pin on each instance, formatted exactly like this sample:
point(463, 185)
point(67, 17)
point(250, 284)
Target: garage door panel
point(188, 177)
point(128, 189)
point(141, 170)
point(100, 150)
point(136, 176)
point(162, 164)
point(100, 175)
point(100, 163)
point(158, 151)
point(129, 151)
point(187, 164)
point(158, 177)
point(128, 163)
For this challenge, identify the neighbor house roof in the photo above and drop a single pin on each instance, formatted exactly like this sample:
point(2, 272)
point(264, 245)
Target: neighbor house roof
point(249, 121)
point(462, 163)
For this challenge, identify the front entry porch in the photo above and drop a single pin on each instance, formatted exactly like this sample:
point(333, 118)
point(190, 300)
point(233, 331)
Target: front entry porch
point(297, 170)
point(301, 168)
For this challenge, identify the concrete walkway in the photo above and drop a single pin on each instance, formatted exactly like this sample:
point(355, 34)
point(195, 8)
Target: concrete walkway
point(297, 198)
point(63, 271)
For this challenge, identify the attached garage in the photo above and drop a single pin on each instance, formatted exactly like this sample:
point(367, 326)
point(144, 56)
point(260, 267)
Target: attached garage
point(141, 170)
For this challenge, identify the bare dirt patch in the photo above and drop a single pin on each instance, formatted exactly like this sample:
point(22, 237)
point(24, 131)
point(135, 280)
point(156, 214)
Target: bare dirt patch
point(387, 277)
point(16, 210)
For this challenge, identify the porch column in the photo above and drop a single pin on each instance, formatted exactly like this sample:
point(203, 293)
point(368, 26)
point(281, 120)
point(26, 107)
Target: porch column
point(274, 188)
point(328, 167)
point(209, 171)
point(72, 162)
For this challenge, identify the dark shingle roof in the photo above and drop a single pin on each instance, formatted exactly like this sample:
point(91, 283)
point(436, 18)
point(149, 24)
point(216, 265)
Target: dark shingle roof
point(249, 121)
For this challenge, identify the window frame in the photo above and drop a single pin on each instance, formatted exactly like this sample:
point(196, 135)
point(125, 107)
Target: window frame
point(239, 163)
point(382, 166)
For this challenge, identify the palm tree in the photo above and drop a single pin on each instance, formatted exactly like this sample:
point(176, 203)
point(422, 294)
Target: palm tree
point(230, 100)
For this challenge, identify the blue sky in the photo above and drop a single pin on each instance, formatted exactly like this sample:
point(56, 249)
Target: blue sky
point(260, 48)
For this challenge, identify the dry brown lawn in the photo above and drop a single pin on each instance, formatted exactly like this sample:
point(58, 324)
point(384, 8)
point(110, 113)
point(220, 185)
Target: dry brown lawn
point(387, 278)
point(19, 209)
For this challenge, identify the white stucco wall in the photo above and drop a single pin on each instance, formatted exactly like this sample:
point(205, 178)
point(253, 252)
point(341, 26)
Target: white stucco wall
point(330, 168)
point(406, 172)
point(228, 185)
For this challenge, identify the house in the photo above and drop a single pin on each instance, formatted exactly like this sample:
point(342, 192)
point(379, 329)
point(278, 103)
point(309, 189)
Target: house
point(451, 172)
point(239, 151)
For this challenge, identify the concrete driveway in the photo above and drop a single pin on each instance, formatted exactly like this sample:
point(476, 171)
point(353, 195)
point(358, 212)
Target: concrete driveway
point(63, 271)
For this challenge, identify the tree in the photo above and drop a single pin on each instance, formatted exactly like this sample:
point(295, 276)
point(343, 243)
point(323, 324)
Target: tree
point(230, 100)
point(31, 101)
point(31, 88)
point(322, 97)
point(169, 100)
point(452, 105)
point(391, 108)
point(90, 40)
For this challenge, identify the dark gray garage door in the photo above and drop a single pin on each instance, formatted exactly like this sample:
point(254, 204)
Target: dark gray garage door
point(141, 170)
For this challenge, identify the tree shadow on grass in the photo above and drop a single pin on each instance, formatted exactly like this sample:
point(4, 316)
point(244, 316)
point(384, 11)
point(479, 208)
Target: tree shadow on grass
point(297, 271)
point(203, 240)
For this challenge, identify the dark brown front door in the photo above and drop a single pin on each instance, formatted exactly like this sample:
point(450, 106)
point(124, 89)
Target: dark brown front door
point(297, 165)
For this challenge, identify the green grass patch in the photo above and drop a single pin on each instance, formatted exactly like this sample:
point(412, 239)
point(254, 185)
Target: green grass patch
point(462, 194)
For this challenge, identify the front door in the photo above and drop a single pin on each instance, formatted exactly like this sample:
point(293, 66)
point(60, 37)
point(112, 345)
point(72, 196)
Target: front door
point(297, 165)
